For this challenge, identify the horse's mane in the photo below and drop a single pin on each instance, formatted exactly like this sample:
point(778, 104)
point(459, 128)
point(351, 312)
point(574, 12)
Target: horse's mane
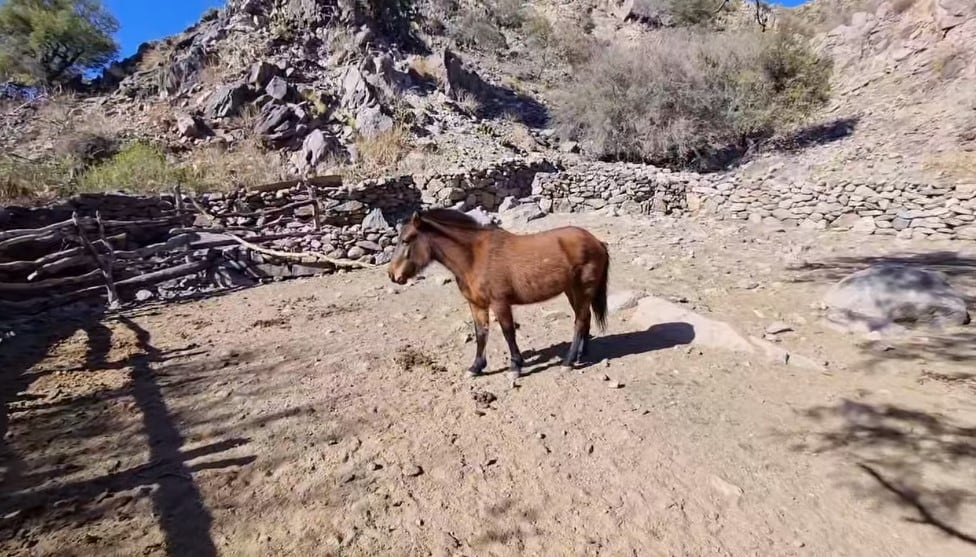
point(452, 218)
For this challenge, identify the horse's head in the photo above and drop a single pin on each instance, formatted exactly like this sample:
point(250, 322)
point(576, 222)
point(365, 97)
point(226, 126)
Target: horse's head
point(413, 252)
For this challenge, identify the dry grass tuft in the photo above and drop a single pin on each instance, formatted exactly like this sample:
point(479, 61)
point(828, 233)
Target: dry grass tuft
point(955, 165)
point(427, 68)
point(383, 152)
point(219, 168)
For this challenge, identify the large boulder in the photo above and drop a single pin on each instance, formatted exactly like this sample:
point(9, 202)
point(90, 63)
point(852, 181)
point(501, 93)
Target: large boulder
point(520, 215)
point(316, 148)
point(375, 221)
point(884, 295)
point(355, 91)
point(371, 121)
point(673, 324)
point(227, 101)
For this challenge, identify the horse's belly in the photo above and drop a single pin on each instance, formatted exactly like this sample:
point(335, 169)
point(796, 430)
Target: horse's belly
point(539, 289)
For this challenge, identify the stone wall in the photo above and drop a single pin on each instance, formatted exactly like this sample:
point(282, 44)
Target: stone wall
point(618, 187)
point(486, 187)
point(905, 210)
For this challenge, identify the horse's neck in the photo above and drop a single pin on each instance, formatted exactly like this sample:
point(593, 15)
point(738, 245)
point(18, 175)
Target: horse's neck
point(455, 251)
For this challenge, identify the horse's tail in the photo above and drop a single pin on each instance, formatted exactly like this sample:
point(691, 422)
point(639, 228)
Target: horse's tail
point(599, 302)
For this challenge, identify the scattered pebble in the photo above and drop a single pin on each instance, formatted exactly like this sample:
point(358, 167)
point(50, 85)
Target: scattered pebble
point(778, 328)
point(413, 471)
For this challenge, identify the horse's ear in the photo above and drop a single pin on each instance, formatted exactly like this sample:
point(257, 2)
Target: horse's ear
point(415, 219)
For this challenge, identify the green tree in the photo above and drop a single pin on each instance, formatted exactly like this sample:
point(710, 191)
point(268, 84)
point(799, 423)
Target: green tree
point(45, 42)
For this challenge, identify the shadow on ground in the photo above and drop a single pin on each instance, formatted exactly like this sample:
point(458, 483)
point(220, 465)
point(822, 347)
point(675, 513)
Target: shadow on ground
point(951, 345)
point(611, 347)
point(912, 460)
point(44, 462)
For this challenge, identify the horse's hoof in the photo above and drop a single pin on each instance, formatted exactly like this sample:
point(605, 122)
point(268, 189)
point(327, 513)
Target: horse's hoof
point(568, 366)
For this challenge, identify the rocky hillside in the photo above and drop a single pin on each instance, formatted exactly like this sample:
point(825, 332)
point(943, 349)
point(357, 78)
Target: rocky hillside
point(903, 103)
point(267, 89)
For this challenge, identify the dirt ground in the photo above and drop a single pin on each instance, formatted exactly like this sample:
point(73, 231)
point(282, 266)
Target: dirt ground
point(331, 416)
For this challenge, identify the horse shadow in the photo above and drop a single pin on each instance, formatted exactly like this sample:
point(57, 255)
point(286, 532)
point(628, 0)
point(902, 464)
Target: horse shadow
point(658, 337)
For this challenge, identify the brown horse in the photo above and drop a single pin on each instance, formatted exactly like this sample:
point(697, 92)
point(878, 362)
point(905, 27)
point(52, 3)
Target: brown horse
point(496, 269)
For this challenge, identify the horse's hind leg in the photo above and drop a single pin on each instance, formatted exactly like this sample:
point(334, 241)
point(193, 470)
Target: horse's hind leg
point(581, 326)
point(503, 313)
point(480, 317)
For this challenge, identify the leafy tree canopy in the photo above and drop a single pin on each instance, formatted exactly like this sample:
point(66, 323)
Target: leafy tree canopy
point(46, 42)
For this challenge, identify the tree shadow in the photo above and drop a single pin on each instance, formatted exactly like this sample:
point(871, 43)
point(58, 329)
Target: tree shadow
point(918, 461)
point(735, 154)
point(947, 344)
point(33, 500)
point(659, 337)
point(26, 343)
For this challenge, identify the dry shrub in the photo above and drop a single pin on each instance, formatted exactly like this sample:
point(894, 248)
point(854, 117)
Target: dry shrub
point(427, 67)
point(680, 96)
point(24, 180)
point(153, 58)
point(220, 168)
point(476, 30)
point(508, 13)
point(469, 102)
point(383, 151)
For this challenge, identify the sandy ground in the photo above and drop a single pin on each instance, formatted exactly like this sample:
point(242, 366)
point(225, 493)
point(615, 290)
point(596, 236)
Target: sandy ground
point(331, 416)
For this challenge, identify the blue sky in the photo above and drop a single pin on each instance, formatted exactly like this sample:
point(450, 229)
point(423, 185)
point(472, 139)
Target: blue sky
point(143, 20)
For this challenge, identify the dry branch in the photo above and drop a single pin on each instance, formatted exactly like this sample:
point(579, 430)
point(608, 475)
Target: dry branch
point(104, 264)
point(24, 287)
point(327, 181)
point(57, 261)
point(266, 212)
point(88, 223)
point(44, 302)
point(173, 243)
point(304, 257)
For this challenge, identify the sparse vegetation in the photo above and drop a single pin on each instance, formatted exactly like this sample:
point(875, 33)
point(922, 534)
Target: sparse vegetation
point(681, 96)
point(24, 179)
point(220, 168)
point(384, 150)
point(427, 68)
point(137, 167)
point(476, 30)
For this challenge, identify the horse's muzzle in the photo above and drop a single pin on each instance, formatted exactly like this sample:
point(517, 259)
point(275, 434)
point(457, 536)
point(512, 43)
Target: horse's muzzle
point(397, 279)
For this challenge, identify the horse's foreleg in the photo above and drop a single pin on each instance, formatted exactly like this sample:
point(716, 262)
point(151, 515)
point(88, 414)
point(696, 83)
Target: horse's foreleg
point(480, 317)
point(503, 313)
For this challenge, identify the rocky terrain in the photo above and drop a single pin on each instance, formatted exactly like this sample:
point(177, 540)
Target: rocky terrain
point(719, 414)
point(788, 364)
point(273, 90)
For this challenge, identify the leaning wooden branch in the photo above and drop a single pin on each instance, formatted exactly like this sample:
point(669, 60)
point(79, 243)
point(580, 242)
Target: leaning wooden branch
point(104, 264)
point(304, 257)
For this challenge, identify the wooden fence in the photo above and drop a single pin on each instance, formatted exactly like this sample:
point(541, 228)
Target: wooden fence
point(88, 256)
